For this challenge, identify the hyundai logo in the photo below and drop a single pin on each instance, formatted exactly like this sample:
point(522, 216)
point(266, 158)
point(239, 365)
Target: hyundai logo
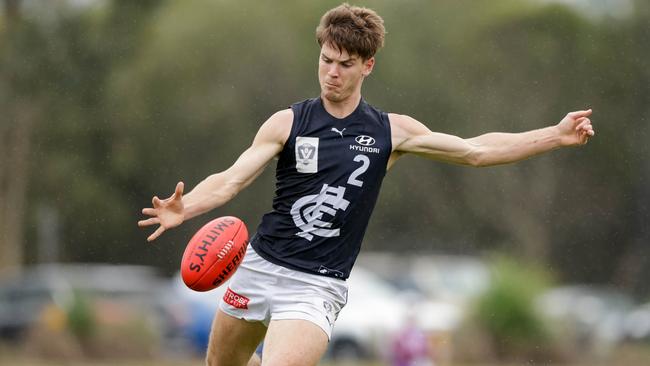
point(365, 140)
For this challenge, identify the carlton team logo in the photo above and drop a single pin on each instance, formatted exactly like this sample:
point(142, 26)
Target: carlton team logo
point(309, 212)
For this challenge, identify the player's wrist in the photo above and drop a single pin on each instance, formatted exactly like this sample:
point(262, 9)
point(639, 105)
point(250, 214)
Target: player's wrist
point(559, 136)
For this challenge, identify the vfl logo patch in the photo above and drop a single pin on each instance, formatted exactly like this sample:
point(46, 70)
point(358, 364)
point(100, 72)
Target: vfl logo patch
point(307, 154)
point(236, 300)
point(365, 140)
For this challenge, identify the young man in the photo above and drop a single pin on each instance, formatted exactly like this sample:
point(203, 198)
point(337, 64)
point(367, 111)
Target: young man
point(333, 154)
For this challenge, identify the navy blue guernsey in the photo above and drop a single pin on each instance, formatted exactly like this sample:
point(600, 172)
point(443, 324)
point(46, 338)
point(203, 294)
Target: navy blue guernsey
point(327, 182)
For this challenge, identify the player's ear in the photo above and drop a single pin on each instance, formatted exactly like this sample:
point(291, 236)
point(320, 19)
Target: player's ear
point(367, 66)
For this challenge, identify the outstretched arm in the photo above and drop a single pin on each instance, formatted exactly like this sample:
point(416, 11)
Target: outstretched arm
point(411, 136)
point(219, 188)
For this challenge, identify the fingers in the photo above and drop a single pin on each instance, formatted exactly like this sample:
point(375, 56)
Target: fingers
point(158, 203)
point(149, 211)
point(584, 127)
point(156, 233)
point(178, 193)
point(583, 123)
point(579, 114)
point(587, 130)
point(147, 222)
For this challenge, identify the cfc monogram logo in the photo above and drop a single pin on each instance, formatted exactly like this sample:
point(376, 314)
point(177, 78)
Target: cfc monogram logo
point(308, 212)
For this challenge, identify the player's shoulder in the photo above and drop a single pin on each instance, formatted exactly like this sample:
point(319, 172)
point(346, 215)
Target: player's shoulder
point(278, 126)
point(283, 116)
point(401, 123)
point(402, 119)
point(396, 118)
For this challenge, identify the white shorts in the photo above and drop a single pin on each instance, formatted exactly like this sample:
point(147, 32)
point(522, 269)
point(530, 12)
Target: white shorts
point(263, 291)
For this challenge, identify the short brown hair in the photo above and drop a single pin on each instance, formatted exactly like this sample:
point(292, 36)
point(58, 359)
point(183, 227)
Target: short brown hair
point(355, 29)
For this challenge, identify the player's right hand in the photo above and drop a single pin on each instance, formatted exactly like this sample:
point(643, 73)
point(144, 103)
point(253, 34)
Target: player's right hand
point(167, 213)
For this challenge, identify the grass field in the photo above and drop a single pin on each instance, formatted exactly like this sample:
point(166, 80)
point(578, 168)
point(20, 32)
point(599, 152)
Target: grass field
point(626, 356)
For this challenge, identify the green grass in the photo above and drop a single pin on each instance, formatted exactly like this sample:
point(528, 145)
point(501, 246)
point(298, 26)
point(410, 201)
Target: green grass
point(625, 356)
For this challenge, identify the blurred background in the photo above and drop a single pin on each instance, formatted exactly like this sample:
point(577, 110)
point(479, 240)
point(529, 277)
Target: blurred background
point(104, 104)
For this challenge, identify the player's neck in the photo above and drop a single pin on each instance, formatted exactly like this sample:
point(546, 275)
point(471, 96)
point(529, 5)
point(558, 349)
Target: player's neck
point(343, 108)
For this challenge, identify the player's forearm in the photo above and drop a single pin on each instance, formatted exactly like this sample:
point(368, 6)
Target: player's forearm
point(214, 191)
point(503, 148)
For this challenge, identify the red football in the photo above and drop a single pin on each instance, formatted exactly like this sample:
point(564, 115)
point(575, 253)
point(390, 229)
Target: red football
point(214, 253)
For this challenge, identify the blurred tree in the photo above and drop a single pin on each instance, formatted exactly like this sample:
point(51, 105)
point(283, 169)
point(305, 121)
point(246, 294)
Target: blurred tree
point(58, 66)
point(633, 268)
point(20, 110)
point(507, 313)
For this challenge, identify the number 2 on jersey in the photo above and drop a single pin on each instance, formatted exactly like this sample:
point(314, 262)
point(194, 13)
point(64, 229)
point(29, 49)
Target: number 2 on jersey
point(365, 163)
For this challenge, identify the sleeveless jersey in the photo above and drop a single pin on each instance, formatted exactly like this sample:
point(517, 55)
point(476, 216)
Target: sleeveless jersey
point(328, 178)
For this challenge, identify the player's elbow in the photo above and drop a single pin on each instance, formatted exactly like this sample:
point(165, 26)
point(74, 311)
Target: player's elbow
point(485, 157)
point(476, 157)
point(224, 187)
point(233, 187)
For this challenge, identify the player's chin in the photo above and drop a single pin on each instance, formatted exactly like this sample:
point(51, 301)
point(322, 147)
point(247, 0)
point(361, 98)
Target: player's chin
point(332, 96)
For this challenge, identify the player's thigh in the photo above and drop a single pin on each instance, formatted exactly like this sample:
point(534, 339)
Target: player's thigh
point(293, 343)
point(232, 340)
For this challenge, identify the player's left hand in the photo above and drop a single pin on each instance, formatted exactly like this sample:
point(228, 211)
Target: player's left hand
point(576, 128)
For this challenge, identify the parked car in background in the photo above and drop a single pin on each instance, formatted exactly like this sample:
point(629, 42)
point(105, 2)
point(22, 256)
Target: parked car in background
point(187, 316)
point(449, 278)
point(373, 312)
point(591, 316)
point(46, 296)
point(637, 324)
point(377, 310)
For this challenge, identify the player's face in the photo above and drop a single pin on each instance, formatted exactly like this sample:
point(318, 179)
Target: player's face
point(340, 74)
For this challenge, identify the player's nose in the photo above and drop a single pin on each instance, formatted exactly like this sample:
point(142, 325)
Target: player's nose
point(333, 71)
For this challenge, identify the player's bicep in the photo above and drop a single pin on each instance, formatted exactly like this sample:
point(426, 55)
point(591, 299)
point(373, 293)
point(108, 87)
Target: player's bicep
point(415, 138)
point(443, 147)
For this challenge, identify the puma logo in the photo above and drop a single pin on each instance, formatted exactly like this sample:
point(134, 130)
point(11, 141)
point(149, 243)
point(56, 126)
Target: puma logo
point(337, 131)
